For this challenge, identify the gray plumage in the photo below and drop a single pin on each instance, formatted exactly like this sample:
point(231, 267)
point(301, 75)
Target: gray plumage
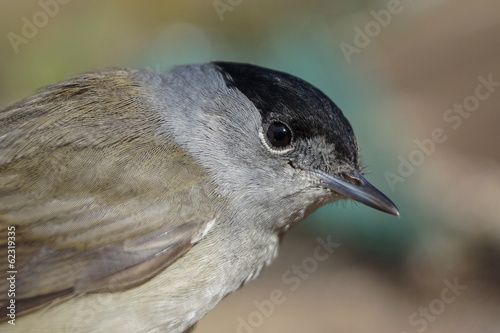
point(141, 199)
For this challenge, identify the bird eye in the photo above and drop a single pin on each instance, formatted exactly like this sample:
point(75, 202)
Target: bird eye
point(279, 134)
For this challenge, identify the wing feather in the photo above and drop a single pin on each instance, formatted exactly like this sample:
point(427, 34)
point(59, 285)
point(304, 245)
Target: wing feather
point(97, 198)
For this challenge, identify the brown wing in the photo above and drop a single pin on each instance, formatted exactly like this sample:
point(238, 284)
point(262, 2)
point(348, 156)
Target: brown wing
point(98, 200)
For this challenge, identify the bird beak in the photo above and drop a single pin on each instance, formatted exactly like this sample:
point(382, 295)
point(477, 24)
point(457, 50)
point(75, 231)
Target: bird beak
point(356, 187)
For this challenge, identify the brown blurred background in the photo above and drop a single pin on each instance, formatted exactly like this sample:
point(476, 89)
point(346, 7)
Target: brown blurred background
point(400, 71)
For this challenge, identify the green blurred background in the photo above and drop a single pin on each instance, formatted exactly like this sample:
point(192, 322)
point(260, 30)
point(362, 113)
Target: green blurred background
point(395, 81)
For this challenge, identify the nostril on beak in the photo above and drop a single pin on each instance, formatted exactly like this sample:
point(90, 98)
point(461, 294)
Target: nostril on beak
point(350, 179)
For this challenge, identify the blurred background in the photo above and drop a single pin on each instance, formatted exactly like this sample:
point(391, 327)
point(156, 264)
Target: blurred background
point(419, 82)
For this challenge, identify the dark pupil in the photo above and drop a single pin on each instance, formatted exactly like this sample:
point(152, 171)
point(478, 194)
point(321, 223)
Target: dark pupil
point(278, 134)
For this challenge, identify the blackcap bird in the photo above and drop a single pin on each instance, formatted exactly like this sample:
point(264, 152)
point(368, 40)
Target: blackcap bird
point(134, 201)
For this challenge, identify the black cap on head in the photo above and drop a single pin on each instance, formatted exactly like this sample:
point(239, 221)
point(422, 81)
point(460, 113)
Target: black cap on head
point(308, 111)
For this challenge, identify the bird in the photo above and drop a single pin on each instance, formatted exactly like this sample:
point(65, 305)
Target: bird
point(135, 201)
